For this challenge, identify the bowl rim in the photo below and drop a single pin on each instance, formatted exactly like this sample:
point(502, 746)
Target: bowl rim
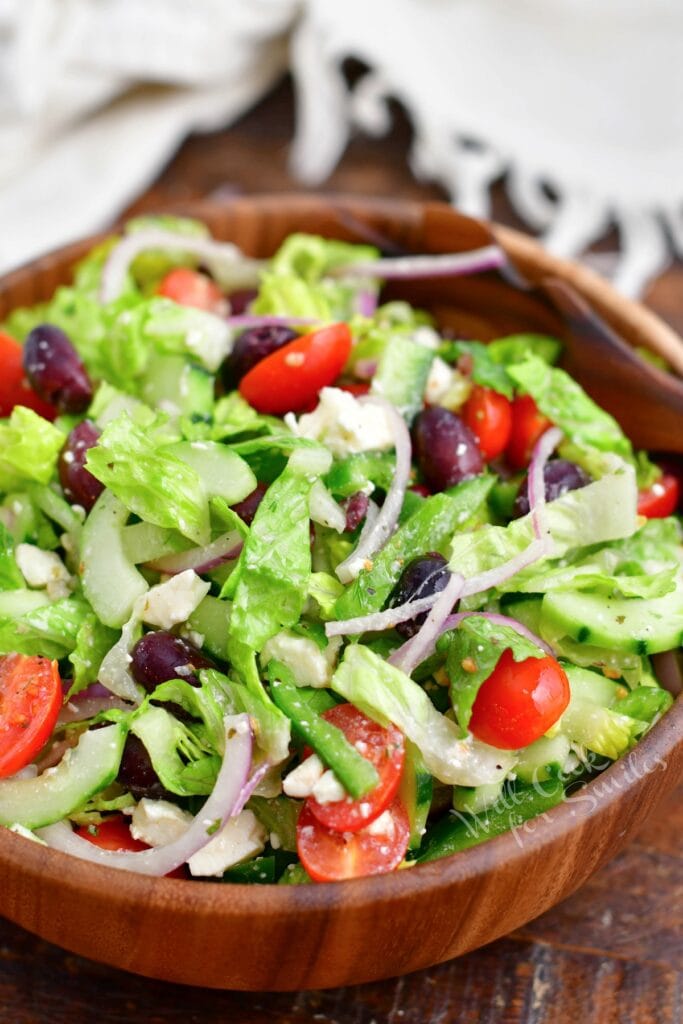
point(211, 898)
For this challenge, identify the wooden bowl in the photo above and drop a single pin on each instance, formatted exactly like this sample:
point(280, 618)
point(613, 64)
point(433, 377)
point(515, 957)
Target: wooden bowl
point(279, 937)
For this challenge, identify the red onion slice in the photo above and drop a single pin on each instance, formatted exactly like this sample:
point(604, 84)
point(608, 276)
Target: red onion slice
point(222, 804)
point(227, 263)
point(384, 525)
point(490, 257)
point(420, 646)
point(81, 707)
point(252, 320)
point(381, 620)
point(204, 559)
point(543, 449)
point(365, 369)
point(366, 302)
point(501, 573)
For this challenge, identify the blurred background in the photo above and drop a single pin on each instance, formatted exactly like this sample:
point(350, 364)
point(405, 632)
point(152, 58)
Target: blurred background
point(560, 116)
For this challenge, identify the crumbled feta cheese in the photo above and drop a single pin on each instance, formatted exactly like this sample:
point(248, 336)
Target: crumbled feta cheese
point(328, 789)
point(382, 826)
point(345, 425)
point(439, 381)
point(427, 337)
point(173, 602)
point(309, 665)
point(239, 839)
point(324, 509)
point(159, 822)
point(300, 782)
point(275, 841)
point(44, 569)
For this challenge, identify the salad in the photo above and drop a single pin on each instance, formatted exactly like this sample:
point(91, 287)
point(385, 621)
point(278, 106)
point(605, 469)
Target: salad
point(295, 587)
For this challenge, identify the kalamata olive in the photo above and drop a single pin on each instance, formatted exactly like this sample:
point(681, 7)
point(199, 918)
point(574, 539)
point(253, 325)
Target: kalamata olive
point(246, 509)
point(445, 449)
point(240, 300)
point(559, 476)
point(356, 508)
point(80, 487)
point(55, 370)
point(422, 576)
point(250, 347)
point(160, 656)
point(136, 772)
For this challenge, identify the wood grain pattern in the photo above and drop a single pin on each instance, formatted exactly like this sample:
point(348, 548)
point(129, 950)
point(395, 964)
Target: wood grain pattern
point(569, 964)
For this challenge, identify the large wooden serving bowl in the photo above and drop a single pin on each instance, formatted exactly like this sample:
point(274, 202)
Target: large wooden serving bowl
point(280, 937)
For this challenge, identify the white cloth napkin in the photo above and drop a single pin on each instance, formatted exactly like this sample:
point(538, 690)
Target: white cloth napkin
point(575, 99)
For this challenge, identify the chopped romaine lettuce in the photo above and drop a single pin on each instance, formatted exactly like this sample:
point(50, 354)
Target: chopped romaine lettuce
point(29, 446)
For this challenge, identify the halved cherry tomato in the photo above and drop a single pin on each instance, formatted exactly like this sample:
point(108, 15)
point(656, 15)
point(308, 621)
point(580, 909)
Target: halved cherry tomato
point(489, 417)
point(114, 834)
point(30, 700)
point(190, 288)
point(289, 379)
point(527, 426)
point(331, 856)
point(14, 387)
point(356, 388)
point(661, 499)
point(385, 749)
point(519, 701)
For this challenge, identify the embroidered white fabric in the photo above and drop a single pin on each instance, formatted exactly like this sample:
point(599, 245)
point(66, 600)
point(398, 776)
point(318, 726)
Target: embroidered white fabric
point(579, 97)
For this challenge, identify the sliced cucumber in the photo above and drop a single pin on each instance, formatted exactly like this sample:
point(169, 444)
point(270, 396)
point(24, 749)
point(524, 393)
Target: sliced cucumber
point(543, 759)
point(223, 473)
point(476, 799)
point(402, 374)
point(211, 618)
point(635, 625)
point(416, 793)
point(15, 603)
point(593, 687)
point(111, 582)
point(145, 542)
point(178, 386)
point(82, 772)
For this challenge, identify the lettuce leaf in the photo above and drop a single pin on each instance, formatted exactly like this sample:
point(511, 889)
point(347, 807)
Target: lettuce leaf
point(93, 641)
point(10, 577)
point(29, 447)
point(388, 695)
point(50, 630)
point(152, 483)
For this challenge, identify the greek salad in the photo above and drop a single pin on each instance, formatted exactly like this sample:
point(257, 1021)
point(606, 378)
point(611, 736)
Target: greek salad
point(296, 587)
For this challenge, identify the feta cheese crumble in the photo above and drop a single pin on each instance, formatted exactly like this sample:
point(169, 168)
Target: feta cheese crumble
point(173, 602)
point(344, 424)
point(300, 782)
point(44, 569)
point(309, 665)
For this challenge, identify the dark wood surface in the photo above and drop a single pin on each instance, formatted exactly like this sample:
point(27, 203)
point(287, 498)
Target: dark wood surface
point(611, 954)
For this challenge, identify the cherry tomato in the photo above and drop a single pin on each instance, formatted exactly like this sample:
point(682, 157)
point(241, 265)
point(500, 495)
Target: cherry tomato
point(289, 379)
point(331, 856)
point(489, 417)
point(661, 499)
point(14, 387)
point(356, 388)
point(385, 749)
point(190, 288)
point(527, 426)
point(519, 701)
point(30, 700)
point(114, 834)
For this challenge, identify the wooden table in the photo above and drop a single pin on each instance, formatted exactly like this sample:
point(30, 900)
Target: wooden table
point(611, 954)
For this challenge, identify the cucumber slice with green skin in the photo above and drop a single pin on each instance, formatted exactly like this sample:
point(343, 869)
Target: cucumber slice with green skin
point(416, 792)
point(83, 771)
point(402, 375)
point(223, 473)
point(543, 759)
point(178, 386)
point(211, 618)
point(15, 603)
point(145, 542)
point(476, 799)
point(634, 625)
point(593, 687)
point(111, 582)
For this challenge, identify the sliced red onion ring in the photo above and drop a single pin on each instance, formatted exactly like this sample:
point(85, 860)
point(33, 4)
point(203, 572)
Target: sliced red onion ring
point(543, 449)
point(366, 302)
point(80, 708)
point(250, 786)
point(383, 526)
point(204, 559)
point(382, 620)
point(94, 690)
point(501, 573)
point(420, 646)
point(227, 263)
point(499, 620)
point(252, 320)
point(365, 369)
point(222, 804)
point(490, 257)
